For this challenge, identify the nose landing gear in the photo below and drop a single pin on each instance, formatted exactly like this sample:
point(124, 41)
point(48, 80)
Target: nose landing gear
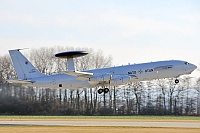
point(176, 81)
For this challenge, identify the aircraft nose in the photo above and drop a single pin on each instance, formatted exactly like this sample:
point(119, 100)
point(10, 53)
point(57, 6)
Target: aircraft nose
point(190, 68)
point(194, 66)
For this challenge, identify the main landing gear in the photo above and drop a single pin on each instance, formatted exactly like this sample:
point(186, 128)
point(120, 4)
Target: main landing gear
point(176, 81)
point(105, 90)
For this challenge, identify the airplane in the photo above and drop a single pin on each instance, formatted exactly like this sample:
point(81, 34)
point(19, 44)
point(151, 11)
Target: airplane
point(28, 75)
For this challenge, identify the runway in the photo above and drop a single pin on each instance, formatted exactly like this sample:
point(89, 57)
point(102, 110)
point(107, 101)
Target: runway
point(102, 123)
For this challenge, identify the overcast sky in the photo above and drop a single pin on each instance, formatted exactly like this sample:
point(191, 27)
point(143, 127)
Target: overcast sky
point(132, 31)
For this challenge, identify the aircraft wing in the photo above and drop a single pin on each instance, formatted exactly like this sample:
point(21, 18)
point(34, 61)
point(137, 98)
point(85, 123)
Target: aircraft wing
point(79, 74)
point(104, 78)
point(18, 81)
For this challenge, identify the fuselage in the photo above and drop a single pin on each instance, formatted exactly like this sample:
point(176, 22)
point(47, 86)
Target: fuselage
point(117, 75)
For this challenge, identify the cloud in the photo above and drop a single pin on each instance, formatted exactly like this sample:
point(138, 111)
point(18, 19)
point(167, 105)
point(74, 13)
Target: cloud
point(7, 16)
point(115, 23)
point(104, 29)
point(194, 18)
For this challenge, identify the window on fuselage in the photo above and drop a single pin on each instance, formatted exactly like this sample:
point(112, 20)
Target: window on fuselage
point(186, 63)
point(161, 68)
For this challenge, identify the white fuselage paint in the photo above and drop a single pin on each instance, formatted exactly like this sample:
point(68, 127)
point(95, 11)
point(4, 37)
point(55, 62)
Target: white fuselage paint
point(144, 71)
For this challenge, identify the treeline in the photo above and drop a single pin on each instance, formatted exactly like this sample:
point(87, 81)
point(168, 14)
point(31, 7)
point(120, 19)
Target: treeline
point(158, 97)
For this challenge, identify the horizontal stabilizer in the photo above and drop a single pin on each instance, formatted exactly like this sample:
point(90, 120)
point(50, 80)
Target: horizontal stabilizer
point(20, 81)
point(79, 74)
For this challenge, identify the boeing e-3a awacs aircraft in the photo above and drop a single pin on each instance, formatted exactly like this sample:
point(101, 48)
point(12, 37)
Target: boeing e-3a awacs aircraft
point(28, 75)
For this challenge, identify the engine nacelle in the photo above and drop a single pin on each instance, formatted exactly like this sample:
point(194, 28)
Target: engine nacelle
point(120, 80)
point(104, 77)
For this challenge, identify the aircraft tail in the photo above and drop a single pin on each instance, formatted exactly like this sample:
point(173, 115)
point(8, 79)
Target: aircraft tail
point(24, 69)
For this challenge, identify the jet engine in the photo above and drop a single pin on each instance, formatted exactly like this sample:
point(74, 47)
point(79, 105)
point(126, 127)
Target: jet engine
point(120, 80)
point(104, 77)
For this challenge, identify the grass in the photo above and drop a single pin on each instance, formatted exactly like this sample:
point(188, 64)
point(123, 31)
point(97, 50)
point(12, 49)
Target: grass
point(97, 129)
point(102, 117)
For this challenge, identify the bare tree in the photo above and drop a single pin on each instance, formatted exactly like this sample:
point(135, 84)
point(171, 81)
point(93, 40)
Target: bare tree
point(172, 89)
point(100, 61)
point(42, 59)
point(179, 95)
point(137, 88)
point(7, 69)
point(59, 64)
point(162, 85)
point(198, 96)
point(149, 97)
point(93, 60)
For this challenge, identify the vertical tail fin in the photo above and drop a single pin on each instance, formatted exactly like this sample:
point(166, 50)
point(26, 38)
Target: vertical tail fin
point(23, 68)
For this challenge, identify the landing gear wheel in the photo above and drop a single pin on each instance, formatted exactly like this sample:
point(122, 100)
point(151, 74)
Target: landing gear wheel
point(100, 91)
point(176, 81)
point(106, 90)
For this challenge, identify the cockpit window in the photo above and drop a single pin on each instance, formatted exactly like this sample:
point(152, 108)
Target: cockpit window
point(186, 63)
